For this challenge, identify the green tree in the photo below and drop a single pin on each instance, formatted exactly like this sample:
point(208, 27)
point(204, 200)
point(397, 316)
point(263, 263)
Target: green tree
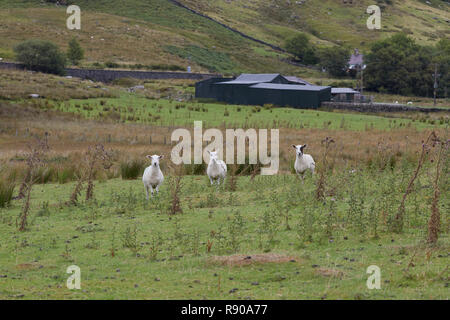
point(441, 57)
point(41, 56)
point(301, 48)
point(334, 60)
point(398, 65)
point(75, 52)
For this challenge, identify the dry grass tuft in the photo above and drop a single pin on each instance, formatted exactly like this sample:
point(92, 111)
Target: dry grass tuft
point(244, 260)
point(27, 266)
point(332, 273)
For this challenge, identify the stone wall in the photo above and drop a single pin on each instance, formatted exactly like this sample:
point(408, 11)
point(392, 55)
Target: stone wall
point(10, 65)
point(377, 107)
point(110, 75)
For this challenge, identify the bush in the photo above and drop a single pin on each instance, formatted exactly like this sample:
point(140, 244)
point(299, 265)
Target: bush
point(75, 53)
point(110, 64)
point(300, 47)
point(45, 175)
point(195, 169)
point(125, 82)
point(66, 174)
point(334, 60)
point(130, 170)
point(43, 56)
point(6, 193)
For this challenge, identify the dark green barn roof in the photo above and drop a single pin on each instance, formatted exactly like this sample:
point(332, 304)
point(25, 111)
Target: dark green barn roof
point(248, 78)
point(260, 89)
point(276, 86)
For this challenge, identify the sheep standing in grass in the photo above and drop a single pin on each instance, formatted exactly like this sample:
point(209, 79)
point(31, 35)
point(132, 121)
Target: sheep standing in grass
point(303, 162)
point(153, 176)
point(216, 168)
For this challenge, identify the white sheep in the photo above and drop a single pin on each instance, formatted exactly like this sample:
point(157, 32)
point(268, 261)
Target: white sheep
point(216, 168)
point(303, 162)
point(153, 176)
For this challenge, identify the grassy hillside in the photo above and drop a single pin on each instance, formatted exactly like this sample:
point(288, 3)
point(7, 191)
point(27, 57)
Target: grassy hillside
point(147, 32)
point(329, 21)
point(159, 32)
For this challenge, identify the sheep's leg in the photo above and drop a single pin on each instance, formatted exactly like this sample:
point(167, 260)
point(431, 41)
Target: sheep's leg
point(146, 191)
point(218, 181)
point(303, 178)
point(157, 189)
point(211, 180)
point(151, 189)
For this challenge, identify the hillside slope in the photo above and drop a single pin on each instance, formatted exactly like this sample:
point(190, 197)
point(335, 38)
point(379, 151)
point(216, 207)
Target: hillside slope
point(330, 21)
point(160, 32)
point(138, 31)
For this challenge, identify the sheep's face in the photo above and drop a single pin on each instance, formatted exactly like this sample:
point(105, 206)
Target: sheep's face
point(213, 155)
point(299, 149)
point(155, 160)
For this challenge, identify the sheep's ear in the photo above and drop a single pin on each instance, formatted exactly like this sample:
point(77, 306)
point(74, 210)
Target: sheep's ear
point(149, 157)
point(209, 152)
point(303, 147)
point(294, 146)
point(161, 157)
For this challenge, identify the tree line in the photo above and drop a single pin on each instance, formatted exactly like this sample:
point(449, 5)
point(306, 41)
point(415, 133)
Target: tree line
point(395, 65)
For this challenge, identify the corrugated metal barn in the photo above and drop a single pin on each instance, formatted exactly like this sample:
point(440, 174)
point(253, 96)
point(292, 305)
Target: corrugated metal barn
point(344, 94)
point(260, 89)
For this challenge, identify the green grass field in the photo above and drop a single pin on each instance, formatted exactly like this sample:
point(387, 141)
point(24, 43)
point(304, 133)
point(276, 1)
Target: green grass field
point(127, 248)
point(162, 112)
point(299, 247)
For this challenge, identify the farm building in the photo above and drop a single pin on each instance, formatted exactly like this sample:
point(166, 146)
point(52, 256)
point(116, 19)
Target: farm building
point(260, 89)
point(344, 94)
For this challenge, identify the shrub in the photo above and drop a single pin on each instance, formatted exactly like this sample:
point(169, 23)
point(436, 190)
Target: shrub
point(41, 56)
point(66, 174)
point(44, 175)
point(75, 53)
point(334, 60)
point(130, 170)
point(110, 64)
point(125, 82)
point(195, 169)
point(6, 193)
point(301, 48)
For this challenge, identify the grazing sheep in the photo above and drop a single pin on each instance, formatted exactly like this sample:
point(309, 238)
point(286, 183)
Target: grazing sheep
point(153, 176)
point(303, 162)
point(216, 168)
point(409, 103)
